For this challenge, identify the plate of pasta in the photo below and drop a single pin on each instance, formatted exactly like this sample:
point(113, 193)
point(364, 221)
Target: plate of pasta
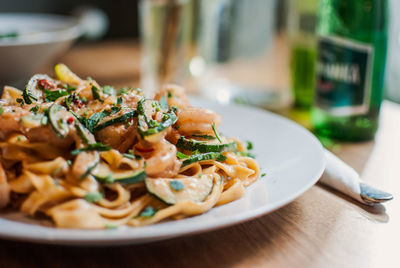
point(85, 164)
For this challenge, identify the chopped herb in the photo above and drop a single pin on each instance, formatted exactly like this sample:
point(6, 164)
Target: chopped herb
point(138, 89)
point(199, 176)
point(249, 145)
point(85, 113)
point(111, 226)
point(95, 93)
point(263, 175)
point(109, 90)
point(35, 109)
point(181, 155)
point(83, 99)
point(246, 154)
point(69, 88)
point(215, 132)
point(122, 91)
point(93, 197)
point(130, 156)
point(54, 95)
point(163, 103)
point(119, 100)
point(148, 212)
point(176, 185)
point(43, 121)
point(21, 101)
point(128, 124)
point(69, 162)
point(109, 179)
point(98, 146)
point(1, 110)
point(169, 94)
point(206, 137)
point(19, 138)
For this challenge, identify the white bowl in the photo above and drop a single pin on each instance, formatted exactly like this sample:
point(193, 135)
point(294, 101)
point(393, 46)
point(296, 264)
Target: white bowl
point(41, 38)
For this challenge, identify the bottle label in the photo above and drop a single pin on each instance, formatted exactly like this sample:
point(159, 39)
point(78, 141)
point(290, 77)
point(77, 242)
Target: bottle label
point(344, 74)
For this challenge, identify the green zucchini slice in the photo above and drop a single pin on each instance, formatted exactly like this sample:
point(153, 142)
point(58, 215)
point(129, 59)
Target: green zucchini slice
point(172, 191)
point(57, 117)
point(32, 94)
point(203, 157)
point(106, 176)
point(115, 120)
point(205, 146)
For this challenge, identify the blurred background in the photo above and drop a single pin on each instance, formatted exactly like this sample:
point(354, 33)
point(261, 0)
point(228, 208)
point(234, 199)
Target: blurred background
point(256, 52)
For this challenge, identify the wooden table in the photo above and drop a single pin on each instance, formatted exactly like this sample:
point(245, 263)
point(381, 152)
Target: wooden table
point(322, 228)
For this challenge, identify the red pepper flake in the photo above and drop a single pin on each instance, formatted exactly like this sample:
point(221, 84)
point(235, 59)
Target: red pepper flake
point(46, 84)
point(78, 103)
point(70, 120)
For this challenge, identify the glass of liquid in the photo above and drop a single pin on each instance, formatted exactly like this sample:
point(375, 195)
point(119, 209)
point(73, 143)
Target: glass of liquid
point(165, 30)
point(242, 54)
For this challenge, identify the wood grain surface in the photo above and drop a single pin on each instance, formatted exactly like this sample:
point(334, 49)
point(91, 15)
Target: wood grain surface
point(322, 228)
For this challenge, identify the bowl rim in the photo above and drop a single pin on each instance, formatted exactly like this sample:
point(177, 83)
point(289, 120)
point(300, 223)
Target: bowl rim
point(71, 31)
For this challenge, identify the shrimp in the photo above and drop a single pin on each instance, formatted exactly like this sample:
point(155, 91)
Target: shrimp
point(119, 136)
point(196, 120)
point(175, 96)
point(161, 160)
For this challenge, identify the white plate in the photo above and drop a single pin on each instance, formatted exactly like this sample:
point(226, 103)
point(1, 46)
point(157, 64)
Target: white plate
point(291, 157)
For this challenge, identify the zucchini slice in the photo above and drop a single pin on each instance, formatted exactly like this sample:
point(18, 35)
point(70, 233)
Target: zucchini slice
point(118, 119)
point(204, 146)
point(203, 157)
point(57, 117)
point(32, 94)
point(147, 126)
point(106, 176)
point(193, 189)
point(84, 134)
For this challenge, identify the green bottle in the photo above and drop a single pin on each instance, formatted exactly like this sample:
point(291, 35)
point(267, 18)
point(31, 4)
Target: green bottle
point(302, 20)
point(351, 57)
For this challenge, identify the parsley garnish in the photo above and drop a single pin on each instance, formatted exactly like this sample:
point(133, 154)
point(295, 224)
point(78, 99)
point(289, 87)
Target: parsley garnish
point(69, 88)
point(1, 110)
point(119, 100)
point(148, 212)
point(181, 155)
point(122, 91)
point(109, 90)
point(95, 93)
point(130, 156)
point(215, 132)
point(263, 175)
point(169, 94)
point(35, 109)
point(93, 197)
point(98, 146)
point(43, 121)
point(54, 95)
point(246, 154)
point(249, 145)
point(176, 185)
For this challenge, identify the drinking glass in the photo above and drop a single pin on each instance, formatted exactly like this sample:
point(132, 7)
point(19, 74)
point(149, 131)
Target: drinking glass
point(165, 34)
